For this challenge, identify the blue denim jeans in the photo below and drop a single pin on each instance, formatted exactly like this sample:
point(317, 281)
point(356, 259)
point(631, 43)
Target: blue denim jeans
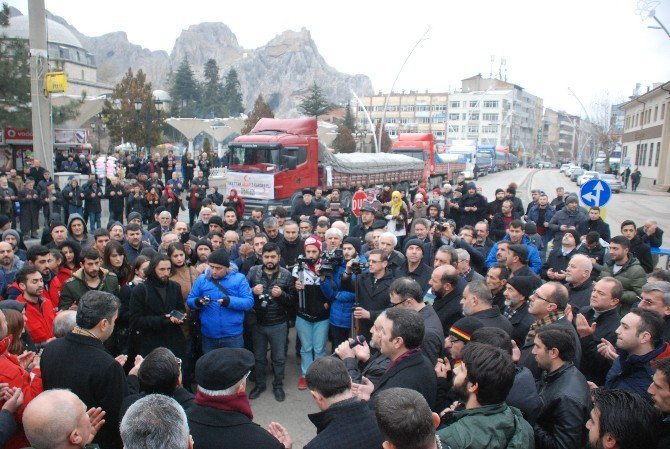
point(210, 344)
point(313, 338)
point(276, 336)
point(94, 220)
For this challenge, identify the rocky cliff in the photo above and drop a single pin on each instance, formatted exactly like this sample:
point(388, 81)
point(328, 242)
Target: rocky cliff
point(282, 70)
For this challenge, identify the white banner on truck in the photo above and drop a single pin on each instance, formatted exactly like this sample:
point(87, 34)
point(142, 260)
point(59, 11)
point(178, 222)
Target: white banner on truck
point(251, 185)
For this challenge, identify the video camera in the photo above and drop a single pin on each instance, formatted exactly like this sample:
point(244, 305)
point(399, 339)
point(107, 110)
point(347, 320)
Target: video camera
point(357, 266)
point(330, 260)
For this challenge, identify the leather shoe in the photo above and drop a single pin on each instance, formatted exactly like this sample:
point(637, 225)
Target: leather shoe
point(279, 394)
point(257, 390)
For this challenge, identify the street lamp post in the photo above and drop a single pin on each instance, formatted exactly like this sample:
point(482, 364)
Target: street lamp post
point(158, 106)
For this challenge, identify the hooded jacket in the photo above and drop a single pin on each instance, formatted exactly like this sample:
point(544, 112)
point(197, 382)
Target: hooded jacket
point(632, 278)
point(75, 287)
point(534, 259)
point(87, 240)
point(634, 373)
point(496, 426)
point(642, 252)
point(568, 218)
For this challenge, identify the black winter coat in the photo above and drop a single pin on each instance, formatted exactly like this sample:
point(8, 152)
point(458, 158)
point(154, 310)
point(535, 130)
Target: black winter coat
point(413, 372)
point(275, 310)
point(449, 308)
point(521, 321)
point(580, 296)
point(150, 328)
point(492, 318)
point(115, 201)
point(92, 199)
point(472, 217)
point(348, 424)
point(221, 429)
point(372, 296)
point(83, 365)
point(528, 359)
point(599, 226)
point(642, 253)
point(373, 369)
point(566, 405)
point(594, 366)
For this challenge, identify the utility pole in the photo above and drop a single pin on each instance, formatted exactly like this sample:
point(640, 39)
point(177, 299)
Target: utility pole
point(39, 66)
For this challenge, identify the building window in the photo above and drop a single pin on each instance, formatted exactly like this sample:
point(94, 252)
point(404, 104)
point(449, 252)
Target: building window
point(404, 121)
point(408, 108)
point(658, 153)
point(424, 119)
point(439, 107)
point(490, 117)
point(491, 103)
point(625, 151)
point(637, 155)
point(474, 116)
point(390, 120)
point(455, 128)
point(439, 133)
point(439, 120)
point(663, 111)
point(391, 108)
point(392, 132)
point(651, 153)
point(464, 116)
point(656, 113)
point(454, 116)
point(423, 108)
point(455, 104)
point(473, 104)
point(473, 129)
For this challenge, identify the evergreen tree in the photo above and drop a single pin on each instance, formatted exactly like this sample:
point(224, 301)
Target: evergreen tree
point(386, 140)
point(184, 92)
point(125, 122)
point(344, 142)
point(232, 94)
point(315, 104)
point(261, 110)
point(349, 120)
point(212, 104)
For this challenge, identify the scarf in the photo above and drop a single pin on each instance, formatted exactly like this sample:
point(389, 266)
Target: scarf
point(396, 203)
point(238, 403)
point(407, 354)
point(552, 317)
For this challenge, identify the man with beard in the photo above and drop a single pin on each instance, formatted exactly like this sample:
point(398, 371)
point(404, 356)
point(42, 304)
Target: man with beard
point(365, 359)
point(482, 381)
point(39, 310)
point(387, 243)
point(40, 257)
point(366, 219)
point(563, 390)
point(304, 209)
point(292, 245)
point(9, 266)
point(29, 199)
point(133, 245)
point(501, 220)
point(271, 228)
point(638, 247)
point(414, 268)
point(541, 214)
point(91, 276)
point(570, 217)
point(660, 396)
point(517, 293)
point(222, 296)
point(201, 227)
point(621, 420)
point(7, 199)
point(477, 303)
point(274, 295)
point(169, 163)
point(255, 259)
point(202, 251)
point(165, 225)
point(444, 285)
point(626, 269)
point(472, 205)
point(495, 206)
point(157, 311)
point(230, 222)
point(482, 242)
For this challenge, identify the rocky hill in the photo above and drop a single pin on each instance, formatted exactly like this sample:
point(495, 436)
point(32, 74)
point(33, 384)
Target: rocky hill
point(282, 70)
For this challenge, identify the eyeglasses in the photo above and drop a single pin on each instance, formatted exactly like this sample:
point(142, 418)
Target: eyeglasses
point(374, 261)
point(396, 304)
point(536, 296)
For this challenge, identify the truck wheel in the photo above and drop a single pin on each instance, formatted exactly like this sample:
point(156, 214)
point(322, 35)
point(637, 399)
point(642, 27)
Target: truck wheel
point(345, 199)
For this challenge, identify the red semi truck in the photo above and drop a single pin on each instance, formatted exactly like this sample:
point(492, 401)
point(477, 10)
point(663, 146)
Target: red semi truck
point(438, 167)
point(279, 157)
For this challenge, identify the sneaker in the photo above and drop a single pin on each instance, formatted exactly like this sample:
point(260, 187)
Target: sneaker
point(302, 383)
point(279, 394)
point(257, 390)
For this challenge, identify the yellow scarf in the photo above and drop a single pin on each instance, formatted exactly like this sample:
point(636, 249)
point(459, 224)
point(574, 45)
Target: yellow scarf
point(396, 203)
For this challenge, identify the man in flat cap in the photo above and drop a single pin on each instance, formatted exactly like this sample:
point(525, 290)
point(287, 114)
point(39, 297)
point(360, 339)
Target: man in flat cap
point(222, 416)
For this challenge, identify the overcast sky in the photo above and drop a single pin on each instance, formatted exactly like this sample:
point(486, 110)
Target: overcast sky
point(595, 47)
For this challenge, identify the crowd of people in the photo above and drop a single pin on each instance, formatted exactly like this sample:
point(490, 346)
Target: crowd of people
point(438, 319)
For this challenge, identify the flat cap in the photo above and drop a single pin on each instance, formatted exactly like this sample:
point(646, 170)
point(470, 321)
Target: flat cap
point(222, 368)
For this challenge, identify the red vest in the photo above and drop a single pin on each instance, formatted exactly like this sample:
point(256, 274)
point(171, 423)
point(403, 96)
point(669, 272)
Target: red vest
point(40, 322)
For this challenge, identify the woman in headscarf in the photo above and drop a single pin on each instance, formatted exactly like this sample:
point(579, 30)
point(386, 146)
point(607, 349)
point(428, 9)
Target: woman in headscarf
point(372, 201)
point(419, 208)
point(171, 201)
point(235, 201)
point(397, 219)
point(385, 196)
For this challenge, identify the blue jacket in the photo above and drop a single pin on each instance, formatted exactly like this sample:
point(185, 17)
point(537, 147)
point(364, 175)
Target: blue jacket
point(217, 321)
point(633, 373)
point(534, 259)
point(341, 301)
point(534, 216)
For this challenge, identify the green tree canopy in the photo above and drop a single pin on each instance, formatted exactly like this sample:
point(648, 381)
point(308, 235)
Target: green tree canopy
point(386, 140)
point(185, 92)
point(212, 104)
point(261, 110)
point(315, 104)
point(344, 141)
point(123, 121)
point(349, 120)
point(232, 94)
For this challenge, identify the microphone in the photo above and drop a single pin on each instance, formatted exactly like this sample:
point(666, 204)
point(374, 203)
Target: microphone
point(353, 342)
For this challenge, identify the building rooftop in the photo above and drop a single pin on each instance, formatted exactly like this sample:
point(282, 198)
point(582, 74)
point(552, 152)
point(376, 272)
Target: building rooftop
point(56, 33)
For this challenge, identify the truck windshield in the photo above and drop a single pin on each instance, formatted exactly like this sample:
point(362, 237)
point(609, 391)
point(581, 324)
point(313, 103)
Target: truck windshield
point(411, 152)
point(255, 159)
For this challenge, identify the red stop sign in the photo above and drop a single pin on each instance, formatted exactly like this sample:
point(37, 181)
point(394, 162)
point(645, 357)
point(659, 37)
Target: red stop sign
point(357, 203)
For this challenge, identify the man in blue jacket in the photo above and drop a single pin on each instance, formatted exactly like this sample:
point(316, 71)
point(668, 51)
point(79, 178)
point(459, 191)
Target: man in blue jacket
point(516, 236)
point(221, 296)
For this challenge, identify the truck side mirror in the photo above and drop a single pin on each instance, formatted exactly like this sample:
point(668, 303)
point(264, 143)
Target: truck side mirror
point(291, 162)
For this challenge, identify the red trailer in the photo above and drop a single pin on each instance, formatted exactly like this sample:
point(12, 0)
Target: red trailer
point(438, 167)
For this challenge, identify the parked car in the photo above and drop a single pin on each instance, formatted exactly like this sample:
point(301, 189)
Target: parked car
point(587, 176)
point(576, 173)
point(564, 167)
point(612, 181)
point(570, 169)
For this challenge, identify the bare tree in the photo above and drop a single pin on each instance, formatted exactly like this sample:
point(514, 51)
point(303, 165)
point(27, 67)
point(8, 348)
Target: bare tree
point(604, 130)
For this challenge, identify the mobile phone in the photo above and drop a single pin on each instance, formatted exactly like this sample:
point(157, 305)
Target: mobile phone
point(178, 315)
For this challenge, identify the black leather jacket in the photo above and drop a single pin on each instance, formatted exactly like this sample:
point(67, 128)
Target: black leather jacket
point(566, 403)
point(272, 310)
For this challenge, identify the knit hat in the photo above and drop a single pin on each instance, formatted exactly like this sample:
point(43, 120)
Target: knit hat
point(202, 242)
point(412, 242)
point(134, 216)
point(12, 304)
point(525, 285)
point(148, 252)
point(216, 220)
point(437, 190)
point(353, 241)
point(219, 257)
point(465, 327)
point(575, 235)
point(314, 241)
point(320, 206)
point(571, 199)
point(418, 198)
point(499, 190)
point(11, 232)
point(307, 192)
point(4, 219)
